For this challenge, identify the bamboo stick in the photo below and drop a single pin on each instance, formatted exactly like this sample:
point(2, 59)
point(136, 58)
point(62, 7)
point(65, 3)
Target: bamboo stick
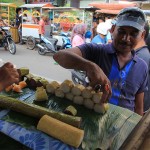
point(36, 111)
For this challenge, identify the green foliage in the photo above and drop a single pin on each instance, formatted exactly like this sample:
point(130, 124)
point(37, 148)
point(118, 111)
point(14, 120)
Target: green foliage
point(17, 2)
point(61, 2)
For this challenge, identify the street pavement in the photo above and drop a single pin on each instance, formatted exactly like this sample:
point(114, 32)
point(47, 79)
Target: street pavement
point(43, 66)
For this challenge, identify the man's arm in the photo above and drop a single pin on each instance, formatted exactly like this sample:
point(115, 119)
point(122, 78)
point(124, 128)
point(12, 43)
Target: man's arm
point(139, 100)
point(72, 59)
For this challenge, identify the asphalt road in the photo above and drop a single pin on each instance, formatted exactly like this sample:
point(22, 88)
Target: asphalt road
point(43, 66)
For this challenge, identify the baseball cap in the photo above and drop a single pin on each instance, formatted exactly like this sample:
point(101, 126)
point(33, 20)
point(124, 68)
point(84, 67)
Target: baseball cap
point(102, 28)
point(131, 16)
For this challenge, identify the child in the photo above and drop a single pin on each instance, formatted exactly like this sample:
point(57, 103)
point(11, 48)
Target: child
point(88, 36)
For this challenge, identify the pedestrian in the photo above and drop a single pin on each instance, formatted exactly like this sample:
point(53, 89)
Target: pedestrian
point(94, 27)
point(142, 51)
point(88, 36)
point(42, 25)
point(102, 31)
point(120, 72)
point(77, 36)
point(19, 25)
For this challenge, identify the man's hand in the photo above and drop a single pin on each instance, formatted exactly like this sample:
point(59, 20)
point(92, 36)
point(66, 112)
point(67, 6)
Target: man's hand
point(8, 75)
point(97, 77)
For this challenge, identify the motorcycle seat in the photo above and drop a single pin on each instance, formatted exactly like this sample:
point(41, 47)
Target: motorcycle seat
point(53, 40)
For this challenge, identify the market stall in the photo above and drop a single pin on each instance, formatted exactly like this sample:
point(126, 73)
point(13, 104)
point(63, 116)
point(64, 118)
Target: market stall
point(31, 16)
point(64, 18)
point(112, 9)
point(101, 130)
point(8, 13)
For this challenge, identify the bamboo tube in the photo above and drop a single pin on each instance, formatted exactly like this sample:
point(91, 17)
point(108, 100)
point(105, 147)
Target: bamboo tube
point(97, 97)
point(69, 96)
point(78, 100)
point(66, 86)
point(77, 89)
point(60, 130)
point(101, 108)
point(59, 93)
point(52, 86)
point(88, 103)
point(87, 92)
point(36, 111)
point(23, 71)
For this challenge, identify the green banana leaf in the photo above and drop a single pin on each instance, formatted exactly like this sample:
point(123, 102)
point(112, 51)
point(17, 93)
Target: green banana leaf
point(106, 131)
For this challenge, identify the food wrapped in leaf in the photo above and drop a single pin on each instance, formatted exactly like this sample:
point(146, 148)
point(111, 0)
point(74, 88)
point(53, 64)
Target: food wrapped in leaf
point(43, 82)
point(40, 94)
point(23, 71)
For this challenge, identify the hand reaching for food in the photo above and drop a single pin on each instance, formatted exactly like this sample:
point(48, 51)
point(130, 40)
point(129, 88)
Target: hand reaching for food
point(8, 75)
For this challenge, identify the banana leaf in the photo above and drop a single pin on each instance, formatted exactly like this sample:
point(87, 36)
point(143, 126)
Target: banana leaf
point(106, 131)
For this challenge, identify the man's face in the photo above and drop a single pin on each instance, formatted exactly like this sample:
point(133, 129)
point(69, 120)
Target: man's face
point(126, 38)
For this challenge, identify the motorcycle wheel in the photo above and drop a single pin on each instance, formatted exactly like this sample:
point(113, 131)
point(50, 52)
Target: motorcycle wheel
point(41, 51)
point(12, 46)
point(31, 43)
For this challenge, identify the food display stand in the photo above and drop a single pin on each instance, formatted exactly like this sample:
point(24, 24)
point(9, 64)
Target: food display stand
point(30, 18)
point(103, 131)
point(8, 12)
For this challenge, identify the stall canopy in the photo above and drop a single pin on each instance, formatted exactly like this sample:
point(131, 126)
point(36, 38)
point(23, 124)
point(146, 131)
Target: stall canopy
point(37, 5)
point(111, 8)
point(107, 11)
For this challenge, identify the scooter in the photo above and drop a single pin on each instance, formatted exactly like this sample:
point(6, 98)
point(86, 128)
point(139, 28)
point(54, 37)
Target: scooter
point(79, 77)
point(66, 41)
point(47, 45)
point(6, 40)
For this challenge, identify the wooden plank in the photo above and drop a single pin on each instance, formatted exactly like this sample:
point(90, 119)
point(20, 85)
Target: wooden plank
point(138, 134)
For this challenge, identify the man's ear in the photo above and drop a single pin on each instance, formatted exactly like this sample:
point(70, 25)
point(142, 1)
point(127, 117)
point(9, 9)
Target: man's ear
point(112, 29)
point(143, 34)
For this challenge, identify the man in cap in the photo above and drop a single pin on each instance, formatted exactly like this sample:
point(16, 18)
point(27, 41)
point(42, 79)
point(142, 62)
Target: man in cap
point(121, 73)
point(142, 51)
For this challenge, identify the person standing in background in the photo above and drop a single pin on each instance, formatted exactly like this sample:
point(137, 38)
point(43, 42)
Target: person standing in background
point(142, 51)
point(77, 37)
point(94, 28)
point(19, 25)
point(42, 25)
point(102, 31)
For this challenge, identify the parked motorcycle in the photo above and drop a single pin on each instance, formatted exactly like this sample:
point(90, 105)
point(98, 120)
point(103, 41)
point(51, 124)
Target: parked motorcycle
point(47, 45)
point(66, 41)
point(6, 40)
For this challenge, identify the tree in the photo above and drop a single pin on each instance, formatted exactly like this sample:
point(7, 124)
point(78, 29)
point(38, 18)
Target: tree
point(61, 2)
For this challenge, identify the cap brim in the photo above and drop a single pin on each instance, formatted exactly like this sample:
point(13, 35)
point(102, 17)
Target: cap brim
point(130, 24)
